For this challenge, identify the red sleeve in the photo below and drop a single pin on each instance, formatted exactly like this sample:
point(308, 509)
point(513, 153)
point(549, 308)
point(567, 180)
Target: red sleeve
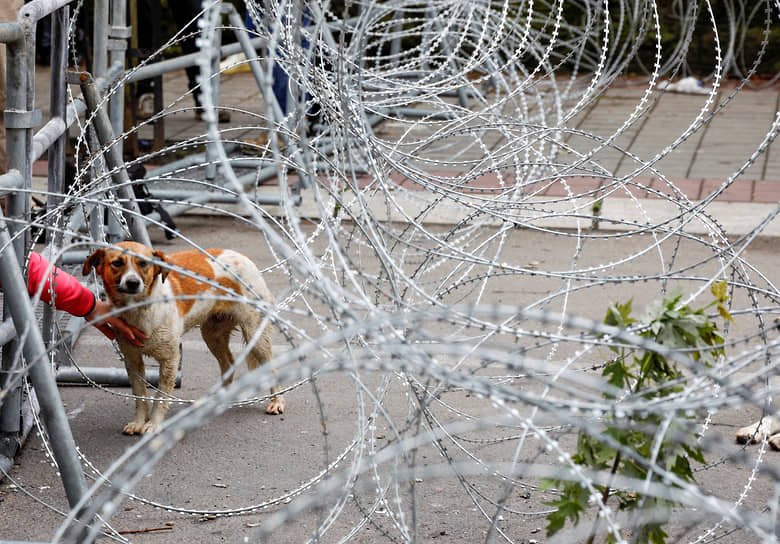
point(69, 294)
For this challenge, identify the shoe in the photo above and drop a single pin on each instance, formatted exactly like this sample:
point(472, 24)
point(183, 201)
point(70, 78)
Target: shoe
point(314, 124)
point(222, 117)
point(260, 141)
point(145, 107)
point(259, 145)
point(234, 64)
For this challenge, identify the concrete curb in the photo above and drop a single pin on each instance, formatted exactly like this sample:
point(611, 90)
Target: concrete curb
point(616, 214)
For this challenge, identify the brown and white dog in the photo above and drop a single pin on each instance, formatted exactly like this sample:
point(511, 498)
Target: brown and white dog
point(768, 426)
point(165, 304)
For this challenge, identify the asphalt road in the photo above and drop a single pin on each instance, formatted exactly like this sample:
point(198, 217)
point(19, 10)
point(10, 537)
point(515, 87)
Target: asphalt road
point(243, 458)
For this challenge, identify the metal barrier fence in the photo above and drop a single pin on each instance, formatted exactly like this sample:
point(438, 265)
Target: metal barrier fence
point(103, 100)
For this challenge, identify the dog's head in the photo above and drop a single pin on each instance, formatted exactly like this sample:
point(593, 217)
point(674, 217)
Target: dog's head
point(128, 270)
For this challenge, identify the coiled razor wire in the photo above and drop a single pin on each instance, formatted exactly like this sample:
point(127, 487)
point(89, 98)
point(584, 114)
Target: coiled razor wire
point(431, 278)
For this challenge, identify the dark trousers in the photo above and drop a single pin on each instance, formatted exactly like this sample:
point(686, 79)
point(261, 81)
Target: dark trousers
point(183, 12)
point(281, 81)
point(149, 39)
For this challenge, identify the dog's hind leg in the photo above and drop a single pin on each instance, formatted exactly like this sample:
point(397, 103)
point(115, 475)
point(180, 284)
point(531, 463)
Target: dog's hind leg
point(216, 333)
point(137, 376)
point(260, 352)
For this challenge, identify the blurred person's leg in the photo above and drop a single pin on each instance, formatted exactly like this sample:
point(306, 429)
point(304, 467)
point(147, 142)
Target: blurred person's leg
point(149, 42)
point(184, 11)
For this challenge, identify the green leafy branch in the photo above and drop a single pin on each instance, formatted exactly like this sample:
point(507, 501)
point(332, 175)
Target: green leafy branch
point(652, 376)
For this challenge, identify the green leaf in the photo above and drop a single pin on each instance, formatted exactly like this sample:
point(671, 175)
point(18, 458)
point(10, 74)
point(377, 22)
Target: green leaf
point(569, 506)
point(604, 456)
point(690, 327)
point(696, 454)
point(719, 290)
point(657, 534)
point(680, 466)
point(632, 470)
point(617, 374)
point(549, 483)
point(724, 313)
point(619, 315)
point(651, 533)
point(651, 376)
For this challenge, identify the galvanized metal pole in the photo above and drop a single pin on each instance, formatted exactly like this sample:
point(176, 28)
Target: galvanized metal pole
point(113, 158)
point(117, 45)
point(56, 181)
point(213, 75)
point(100, 39)
point(178, 63)
point(246, 43)
point(39, 371)
point(20, 118)
point(16, 117)
point(19, 121)
point(10, 409)
point(60, 21)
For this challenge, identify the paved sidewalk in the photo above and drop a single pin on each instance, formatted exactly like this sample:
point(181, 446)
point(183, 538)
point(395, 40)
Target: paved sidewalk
point(697, 167)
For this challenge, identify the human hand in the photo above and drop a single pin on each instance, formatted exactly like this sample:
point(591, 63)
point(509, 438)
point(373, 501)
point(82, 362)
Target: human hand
point(102, 319)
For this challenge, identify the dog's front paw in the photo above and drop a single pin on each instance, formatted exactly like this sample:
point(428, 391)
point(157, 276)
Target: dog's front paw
point(134, 427)
point(275, 406)
point(767, 426)
point(139, 428)
point(774, 441)
point(149, 427)
point(753, 434)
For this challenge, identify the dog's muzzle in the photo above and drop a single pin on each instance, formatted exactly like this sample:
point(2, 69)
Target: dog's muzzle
point(131, 286)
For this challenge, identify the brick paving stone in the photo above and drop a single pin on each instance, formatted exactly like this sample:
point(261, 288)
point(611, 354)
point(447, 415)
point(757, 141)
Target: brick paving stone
point(636, 186)
point(766, 191)
point(670, 118)
point(689, 187)
point(734, 134)
point(713, 153)
point(771, 167)
point(741, 190)
point(489, 183)
point(576, 186)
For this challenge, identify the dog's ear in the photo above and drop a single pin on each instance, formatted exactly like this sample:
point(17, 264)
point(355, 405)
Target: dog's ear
point(93, 261)
point(162, 270)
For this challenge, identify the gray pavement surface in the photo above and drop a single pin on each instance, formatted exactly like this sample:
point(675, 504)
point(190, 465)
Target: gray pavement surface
point(243, 457)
